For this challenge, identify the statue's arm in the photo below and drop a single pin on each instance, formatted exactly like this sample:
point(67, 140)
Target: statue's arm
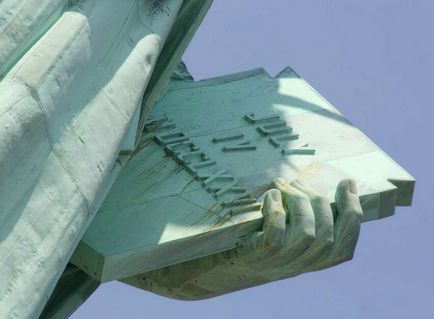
point(299, 235)
point(66, 109)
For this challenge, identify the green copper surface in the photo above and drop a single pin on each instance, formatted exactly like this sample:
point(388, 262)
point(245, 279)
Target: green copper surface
point(209, 151)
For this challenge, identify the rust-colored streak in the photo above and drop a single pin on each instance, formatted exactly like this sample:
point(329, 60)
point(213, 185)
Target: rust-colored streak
point(309, 171)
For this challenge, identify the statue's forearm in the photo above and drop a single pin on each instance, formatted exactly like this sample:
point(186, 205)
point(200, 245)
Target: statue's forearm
point(66, 107)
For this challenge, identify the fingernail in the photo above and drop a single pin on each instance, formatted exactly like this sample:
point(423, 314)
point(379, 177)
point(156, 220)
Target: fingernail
point(275, 195)
point(352, 186)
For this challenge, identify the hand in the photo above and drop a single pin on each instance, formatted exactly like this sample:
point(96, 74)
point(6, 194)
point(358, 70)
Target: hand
point(299, 235)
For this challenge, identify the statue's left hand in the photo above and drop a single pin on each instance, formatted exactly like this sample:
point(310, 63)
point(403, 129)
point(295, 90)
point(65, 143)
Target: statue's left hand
point(299, 235)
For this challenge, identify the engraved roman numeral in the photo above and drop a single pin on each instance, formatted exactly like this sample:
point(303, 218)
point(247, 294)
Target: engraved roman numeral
point(278, 132)
point(171, 138)
point(274, 131)
point(178, 148)
point(239, 148)
point(305, 150)
point(224, 187)
point(244, 145)
point(227, 137)
point(252, 118)
point(276, 140)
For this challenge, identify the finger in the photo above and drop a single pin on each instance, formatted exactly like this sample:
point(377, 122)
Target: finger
point(323, 214)
point(347, 225)
point(301, 229)
point(274, 220)
point(323, 224)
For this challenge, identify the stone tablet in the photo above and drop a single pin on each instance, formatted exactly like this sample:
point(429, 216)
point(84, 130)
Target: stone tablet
point(209, 151)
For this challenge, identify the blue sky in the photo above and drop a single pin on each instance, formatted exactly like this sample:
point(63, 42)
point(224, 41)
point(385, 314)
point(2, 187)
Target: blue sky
point(373, 60)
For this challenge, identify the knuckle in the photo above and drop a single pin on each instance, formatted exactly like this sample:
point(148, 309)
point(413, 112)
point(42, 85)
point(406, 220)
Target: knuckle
point(300, 199)
point(355, 216)
point(305, 227)
point(359, 212)
point(352, 204)
point(328, 243)
point(307, 232)
point(324, 242)
point(320, 200)
point(300, 196)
